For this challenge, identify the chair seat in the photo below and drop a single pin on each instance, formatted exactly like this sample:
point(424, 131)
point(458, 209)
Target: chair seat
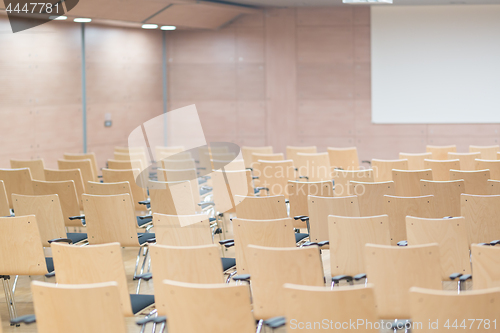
point(143, 237)
point(141, 222)
point(299, 237)
point(228, 263)
point(140, 302)
point(50, 264)
point(76, 237)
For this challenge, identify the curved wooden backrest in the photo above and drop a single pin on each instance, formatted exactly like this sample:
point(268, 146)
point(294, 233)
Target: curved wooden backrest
point(321, 207)
point(291, 152)
point(415, 161)
point(393, 270)
point(344, 158)
point(486, 266)
point(205, 160)
point(493, 187)
point(476, 182)
point(92, 264)
point(87, 156)
point(75, 175)
point(98, 188)
point(487, 152)
point(163, 152)
point(68, 198)
point(227, 184)
point(125, 165)
point(36, 167)
point(297, 195)
point(82, 308)
point(467, 160)
point(260, 208)
point(139, 192)
point(311, 305)
point(492, 165)
point(16, 181)
point(246, 153)
point(382, 169)
point(4, 201)
point(172, 198)
point(399, 207)
point(348, 237)
point(446, 196)
point(448, 310)
point(314, 166)
point(110, 218)
point(126, 150)
point(341, 179)
point(21, 250)
point(182, 230)
point(371, 196)
point(270, 233)
point(441, 152)
point(482, 216)
point(450, 234)
point(407, 182)
point(178, 164)
point(271, 267)
point(133, 156)
point(195, 308)
point(85, 167)
point(267, 157)
point(178, 156)
point(182, 176)
point(234, 165)
point(275, 175)
point(441, 169)
point(48, 212)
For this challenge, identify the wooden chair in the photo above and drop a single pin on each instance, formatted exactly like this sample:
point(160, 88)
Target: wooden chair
point(194, 308)
point(247, 152)
point(446, 196)
point(487, 152)
point(125, 165)
point(133, 156)
point(163, 152)
point(450, 234)
point(407, 182)
point(72, 174)
point(493, 187)
point(126, 150)
point(441, 169)
point(467, 160)
point(382, 169)
point(179, 156)
point(36, 167)
point(85, 167)
point(275, 175)
point(344, 158)
point(190, 175)
point(441, 311)
point(476, 182)
point(311, 305)
point(178, 164)
point(399, 207)
point(394, 270)
point(291, 152)
point(485, 265)
point(415, 161)
point(227, 184)
point(297, 197)
point(371, 196)
point(16, 181)
point(266, 157)
point(235, 165)
point(172, 198)
point(4, 202)
point(341, 179)
point(315, 167)
point(493, 166)
point(87, 156)
point(84, 308)
point(205, 161)
point(139, 192)
point(270, 268)
point(441, 152)
point(260, 208)
point(482, 216)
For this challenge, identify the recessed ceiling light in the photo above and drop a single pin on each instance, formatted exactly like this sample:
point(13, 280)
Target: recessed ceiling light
point(82, 20)
point(168, 27)
point(58, 18)
point(150, 26)
point(370, 2)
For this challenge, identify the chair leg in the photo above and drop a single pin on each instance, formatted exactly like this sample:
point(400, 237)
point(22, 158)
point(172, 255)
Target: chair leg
point(259, 326)
point(9, 297)
point(146, 256)
point(230, 276)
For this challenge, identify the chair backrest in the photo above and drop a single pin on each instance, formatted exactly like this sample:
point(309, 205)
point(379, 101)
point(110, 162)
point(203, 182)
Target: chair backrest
point(270, 233)
point(344, 158)
point(68, 198)
point(246, 153)
point(172, 198)
point(272, 267)
point(98, 188)
point(309, 306)
point(393, 270)
point(125, 165)
point(205, 160)
point(83, 308)
point(415, 161)
point(482, 216)
point(92, 264)
point(341, 179)
point(476, 182)
point(348, 237)
point(442, 310)
point(194, 308)
point(182, 230)
point(139, 192)
point(179, 156)
point(407, 182)
point(399, 207)
point(291, 152)
point(48, 212)
point(260, 208)
point(441, 152)
point(126, 150)
point(227, 184)
point(467, 160)
point(163, 152)
point(446, 196)
point(36, 167)
point(297, 196)
point(188, 175)
point(4, 201)
point(487, 152)
point(16, 181)
point(275, 175)
point(382, 169)
point(492, 165)
point(266, 157)
point(21, 247)
point(234, 165)
point(85, 167)
point(110, 218)
point(314, 166)
point(441, 168)
point(75, 175)
point(321, 207)
point(87, 156)
point(170, 164)
point(371, 196)
point(450, 234)
point(493, 187)
point(133, 156)
point(486, 266)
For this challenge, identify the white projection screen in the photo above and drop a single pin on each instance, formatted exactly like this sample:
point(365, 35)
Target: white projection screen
point(435, 64)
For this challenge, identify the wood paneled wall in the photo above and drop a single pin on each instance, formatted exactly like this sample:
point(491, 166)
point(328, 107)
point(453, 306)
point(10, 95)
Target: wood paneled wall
point(299, 77)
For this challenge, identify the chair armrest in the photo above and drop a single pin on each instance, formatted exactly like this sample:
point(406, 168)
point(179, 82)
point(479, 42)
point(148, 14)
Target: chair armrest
point(80, 217)
point(145, 202)
point(367, 162)
point(255, 177)
point(145, 276)
point(323, 243)
point(303, 177)
point(206, 188)
point(228, 244)
point(495, 242)
point(275, 322)
point(287, 201)
point(309, 244)
point(455, 276)
point(251, 169)
point(466, 277)
point(403, 243)
point(61, 240)
point(205, 204)
point(299, 217)
point(212, 219)
point(242, 277)
point(28, 319)
point(151, 240)
point(339, 278)
point(224, 241)
point(258, 189)
point(145, 217)
point(359, 277)
point(156, 320)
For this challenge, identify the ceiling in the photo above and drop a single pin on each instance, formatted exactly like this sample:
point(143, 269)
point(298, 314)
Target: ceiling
point(297, 3)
